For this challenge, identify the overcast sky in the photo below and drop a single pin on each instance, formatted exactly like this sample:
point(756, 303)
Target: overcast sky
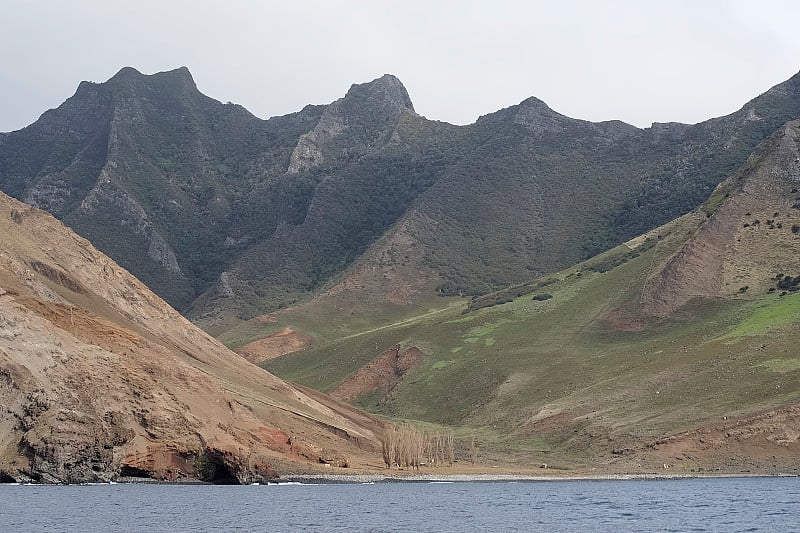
point(639, 61)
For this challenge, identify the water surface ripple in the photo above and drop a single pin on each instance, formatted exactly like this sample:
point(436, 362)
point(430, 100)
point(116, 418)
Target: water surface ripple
point(725, 504)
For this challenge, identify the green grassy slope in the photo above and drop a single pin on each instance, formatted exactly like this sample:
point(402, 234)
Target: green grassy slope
point(580, 372)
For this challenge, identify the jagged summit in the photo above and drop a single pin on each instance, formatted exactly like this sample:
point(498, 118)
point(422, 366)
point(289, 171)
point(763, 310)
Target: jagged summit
point(530, 112)
point(364, 119)
point(131, 73)
point(126, 73)
point(536, 115)
point(179, 79)
point(535, 103)
point(388, 90)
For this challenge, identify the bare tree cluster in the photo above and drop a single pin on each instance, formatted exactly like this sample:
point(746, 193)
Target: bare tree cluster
point(406, 447)
point(440, 449)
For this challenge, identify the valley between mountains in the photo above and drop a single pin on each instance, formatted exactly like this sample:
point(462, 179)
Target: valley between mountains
point(547, 293)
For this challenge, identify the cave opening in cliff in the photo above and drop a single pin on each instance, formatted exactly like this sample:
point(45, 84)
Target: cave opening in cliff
point(5, 478)
point(211, 468)
point(132, 471)
point(222, 475)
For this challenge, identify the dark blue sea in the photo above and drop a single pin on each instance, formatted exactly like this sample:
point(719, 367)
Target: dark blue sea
point(722, 504)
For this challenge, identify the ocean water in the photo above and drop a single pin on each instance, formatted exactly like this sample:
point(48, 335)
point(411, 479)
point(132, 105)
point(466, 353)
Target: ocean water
point(722, 504)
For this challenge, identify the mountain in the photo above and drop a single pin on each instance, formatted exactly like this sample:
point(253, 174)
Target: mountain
point(363, 224)
point(149, 170)
point(101, 379)
point(675, 350)
point(228, 216)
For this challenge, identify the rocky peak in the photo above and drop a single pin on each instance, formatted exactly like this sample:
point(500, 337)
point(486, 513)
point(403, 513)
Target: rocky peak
point(386, 91)
point(536, 104)
point(126, 74)
point(365, 117)
point(130, 74)
point(179, 76)
point(535, 114)
point(532, 113)
point(128, 80)
point(783, 98)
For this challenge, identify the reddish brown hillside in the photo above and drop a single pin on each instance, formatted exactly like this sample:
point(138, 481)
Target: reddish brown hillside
point(99, 378)
point(380, 374)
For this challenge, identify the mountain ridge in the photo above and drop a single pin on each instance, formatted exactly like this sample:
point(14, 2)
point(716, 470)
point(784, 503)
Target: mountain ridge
point(229, 216)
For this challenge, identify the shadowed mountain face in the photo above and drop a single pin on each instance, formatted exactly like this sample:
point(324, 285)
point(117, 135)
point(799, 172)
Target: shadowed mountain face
point(150, 170)
point(100, 378)
point(224, 214)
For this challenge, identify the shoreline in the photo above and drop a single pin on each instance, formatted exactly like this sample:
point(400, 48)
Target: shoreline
point(319, 479)
point(382, 478)
point(324, 478)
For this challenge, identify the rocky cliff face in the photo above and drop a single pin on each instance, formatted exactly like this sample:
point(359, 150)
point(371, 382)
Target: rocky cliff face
point(368, 113)
point(100, 379)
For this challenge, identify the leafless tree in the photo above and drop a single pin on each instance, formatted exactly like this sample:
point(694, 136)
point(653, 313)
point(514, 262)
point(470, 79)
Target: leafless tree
point(405, 446)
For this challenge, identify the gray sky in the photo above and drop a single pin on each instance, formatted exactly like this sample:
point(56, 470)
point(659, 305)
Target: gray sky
point(639, 61)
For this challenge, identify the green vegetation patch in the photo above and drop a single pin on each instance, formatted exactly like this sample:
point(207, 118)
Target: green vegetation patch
point(462, 320)
point(781, 365)
point(618, 256)
point(507, 295)
point(775, 313)
point(499, 367)
point(479, 332)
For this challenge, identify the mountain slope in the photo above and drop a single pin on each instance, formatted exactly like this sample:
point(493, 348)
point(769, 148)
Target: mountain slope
point(750, 237)
point(539, 191)
point(650, 354)
point(99, 378)
point(228, 216)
